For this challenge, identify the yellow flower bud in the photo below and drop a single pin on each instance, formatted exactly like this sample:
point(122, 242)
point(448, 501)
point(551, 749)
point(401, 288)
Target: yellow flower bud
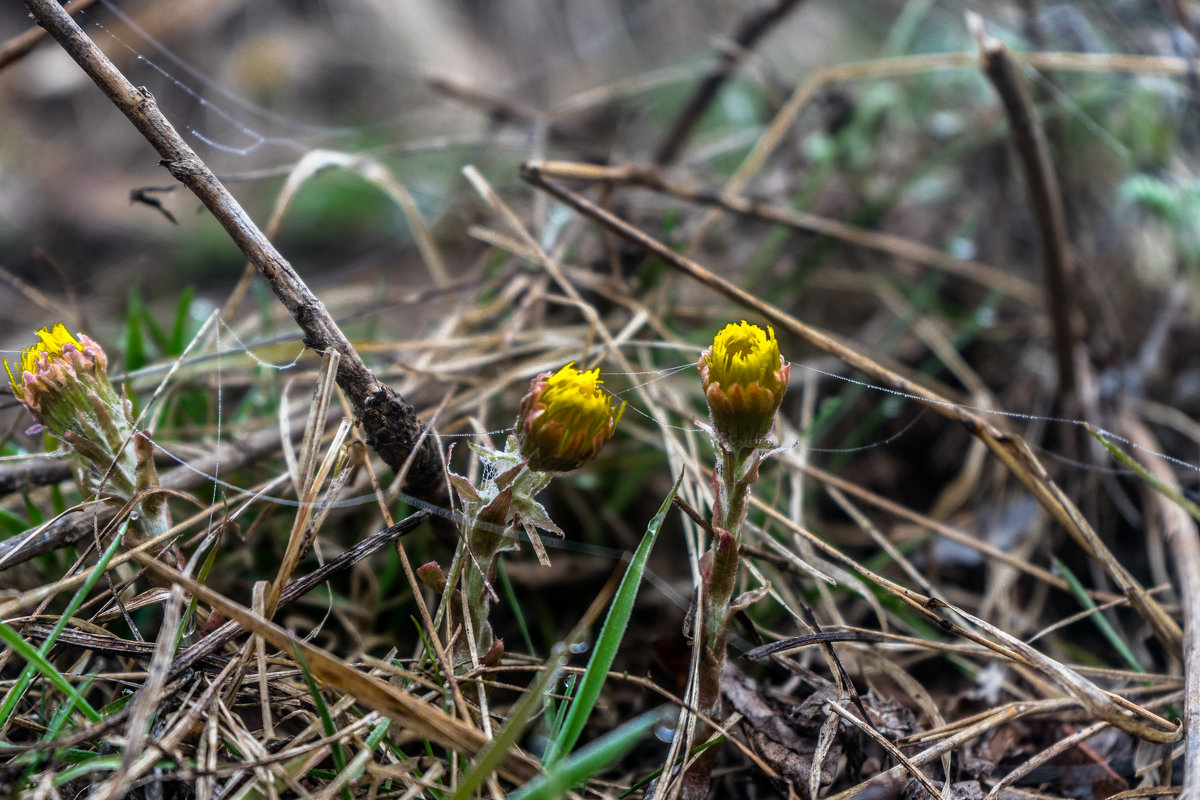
point(744, 378)
point(63, 381)
point(60, 376)
point(565, 419)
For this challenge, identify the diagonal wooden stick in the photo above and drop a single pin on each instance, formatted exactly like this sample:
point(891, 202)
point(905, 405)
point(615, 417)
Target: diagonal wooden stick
point(390, 423)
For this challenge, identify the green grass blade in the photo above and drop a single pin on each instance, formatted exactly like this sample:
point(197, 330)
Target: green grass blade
point(135, 343)
point(12, 524)
point(327, 723)
point(596, 756)
point(1106, 628)
point(1184, 503)
point(682, 759)
point(561, 712)
point(25, 650)
point(518, 720)
point(14, 694)
point(511, 597)
point(106, 763)
point(179, 328)
point(378, 731)
point(608, 642)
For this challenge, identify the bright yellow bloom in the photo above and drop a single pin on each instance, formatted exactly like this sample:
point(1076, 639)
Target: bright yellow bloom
point(565, 419)
point(51, 344)
point(744, 378)
point(61, 375)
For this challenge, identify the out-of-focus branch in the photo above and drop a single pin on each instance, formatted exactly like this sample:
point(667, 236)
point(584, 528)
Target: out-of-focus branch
point(1045, 197)
point(390, 423)
point(22, 44)
point(750, 30)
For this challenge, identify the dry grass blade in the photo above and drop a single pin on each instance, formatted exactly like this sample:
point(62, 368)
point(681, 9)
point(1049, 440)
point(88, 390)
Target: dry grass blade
point(1181, 533)
point(312, 511)
point(889, 780)
point(1116, 710)
point(887, 745)
point(424, 720)
point(1046, 755)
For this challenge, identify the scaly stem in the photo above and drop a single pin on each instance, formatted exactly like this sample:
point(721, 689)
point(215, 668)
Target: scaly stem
point(735, 475)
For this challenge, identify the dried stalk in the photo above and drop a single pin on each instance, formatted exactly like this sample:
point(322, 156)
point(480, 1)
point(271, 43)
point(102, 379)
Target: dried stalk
point(1183, 542)
point(1045, 197)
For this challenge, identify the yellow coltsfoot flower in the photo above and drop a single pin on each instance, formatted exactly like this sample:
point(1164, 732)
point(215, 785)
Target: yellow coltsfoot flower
point(744, 378)
point(565, 419)
point(55, 377)
point(63, 381)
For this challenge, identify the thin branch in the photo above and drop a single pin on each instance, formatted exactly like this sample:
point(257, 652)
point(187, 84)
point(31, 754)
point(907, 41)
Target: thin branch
point(390, 423)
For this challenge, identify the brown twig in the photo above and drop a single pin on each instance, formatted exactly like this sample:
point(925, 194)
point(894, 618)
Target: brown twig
point(1045, 196)
point(390, 423)
point(653, 179)
point(752, 28)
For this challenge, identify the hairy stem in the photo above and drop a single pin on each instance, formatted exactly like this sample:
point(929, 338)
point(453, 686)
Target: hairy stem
point(735, 474)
